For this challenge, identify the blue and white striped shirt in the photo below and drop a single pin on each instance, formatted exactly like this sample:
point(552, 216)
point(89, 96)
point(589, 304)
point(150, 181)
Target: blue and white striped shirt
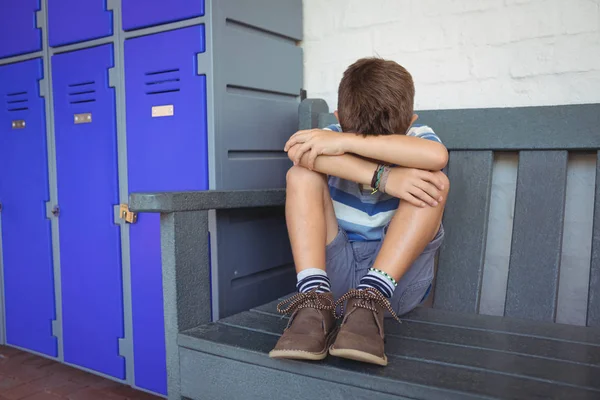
point(361, 214)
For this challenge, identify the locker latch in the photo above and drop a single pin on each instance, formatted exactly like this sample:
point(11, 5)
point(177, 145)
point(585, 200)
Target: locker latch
point(126, 215)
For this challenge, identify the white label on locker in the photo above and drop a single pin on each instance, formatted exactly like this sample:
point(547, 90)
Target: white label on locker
point(18, 124)
point(163, 111)
point(82, 118)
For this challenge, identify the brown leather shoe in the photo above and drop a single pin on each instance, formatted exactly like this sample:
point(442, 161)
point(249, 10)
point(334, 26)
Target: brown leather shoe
point(361, 335)
point(311, 328)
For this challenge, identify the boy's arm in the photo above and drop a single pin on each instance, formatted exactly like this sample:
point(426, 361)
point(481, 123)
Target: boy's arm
point(401, 150)
point(345, 166)
point(415, 186)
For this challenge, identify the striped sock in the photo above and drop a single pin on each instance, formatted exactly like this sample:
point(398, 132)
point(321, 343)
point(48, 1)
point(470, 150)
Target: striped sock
point(311, 278)
point(378, 280)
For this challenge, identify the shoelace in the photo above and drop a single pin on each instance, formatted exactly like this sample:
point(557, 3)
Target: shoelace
point(367, 297)
point(310, 299)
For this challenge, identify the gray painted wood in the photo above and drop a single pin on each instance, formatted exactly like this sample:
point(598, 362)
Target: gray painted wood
point(443, 352)
point(205, 200)
point(255, 382)
point(538, 339)
point(564, 127)
point(309, 112)
point(461, 258)
point(593, 318)
point(186, 282)
point(537, 235)
point(414, 372)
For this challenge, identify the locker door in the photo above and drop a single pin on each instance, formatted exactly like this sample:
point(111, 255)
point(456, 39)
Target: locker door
point(18, 22)
point(72, 21)
point(86, 152)
point(167, 150)
point(143, 13)
point(26, 235)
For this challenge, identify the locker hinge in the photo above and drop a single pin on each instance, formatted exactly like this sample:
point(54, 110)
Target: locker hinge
point(43, 91)
point(303, 94)
point(124, 347)
point(203, 62)
point(112, 77)
point(111, 4)
point(56, 329)
point(52, 210)
point(126, 215)
point(40, 19)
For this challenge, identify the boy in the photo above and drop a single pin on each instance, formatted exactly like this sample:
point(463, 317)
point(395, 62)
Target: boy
point(364, 206)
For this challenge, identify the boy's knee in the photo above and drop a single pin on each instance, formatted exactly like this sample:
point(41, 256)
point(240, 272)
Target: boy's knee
point(300, 176)
point(444, 180)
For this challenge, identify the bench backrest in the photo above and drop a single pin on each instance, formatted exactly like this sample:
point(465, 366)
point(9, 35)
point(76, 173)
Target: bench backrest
point(542, 139)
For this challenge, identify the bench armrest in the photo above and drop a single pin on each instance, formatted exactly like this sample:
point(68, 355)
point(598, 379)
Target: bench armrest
point(170, 202)
point(185, 256)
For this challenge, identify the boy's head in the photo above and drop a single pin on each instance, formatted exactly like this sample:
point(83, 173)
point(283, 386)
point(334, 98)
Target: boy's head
point(376, 97)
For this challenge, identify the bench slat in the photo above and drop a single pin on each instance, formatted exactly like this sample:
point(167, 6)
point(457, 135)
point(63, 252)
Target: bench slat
point(498, 340)
point(405, 375)
point(520, 128)
point(594, 292)
point(461, 258)
point(439, 352)
point(537, 235)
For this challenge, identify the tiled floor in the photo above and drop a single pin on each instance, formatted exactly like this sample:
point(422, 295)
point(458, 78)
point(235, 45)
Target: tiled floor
point(29, 377)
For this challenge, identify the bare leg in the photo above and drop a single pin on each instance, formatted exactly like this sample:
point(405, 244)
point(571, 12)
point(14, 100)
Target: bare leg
point(410, 230)
point(310, 217)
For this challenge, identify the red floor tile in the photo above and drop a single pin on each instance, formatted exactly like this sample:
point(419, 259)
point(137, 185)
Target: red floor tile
point(24, 376)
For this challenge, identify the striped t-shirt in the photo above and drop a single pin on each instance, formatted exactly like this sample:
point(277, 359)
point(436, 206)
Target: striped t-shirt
point(361, 214)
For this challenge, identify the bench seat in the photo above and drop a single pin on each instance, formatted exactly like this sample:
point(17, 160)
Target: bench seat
point(433, 354)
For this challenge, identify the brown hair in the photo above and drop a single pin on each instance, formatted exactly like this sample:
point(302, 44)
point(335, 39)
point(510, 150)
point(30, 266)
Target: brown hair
point(376, 97)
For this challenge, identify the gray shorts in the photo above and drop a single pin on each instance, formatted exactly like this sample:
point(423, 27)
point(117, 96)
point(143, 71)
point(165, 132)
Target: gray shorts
point(348, 262)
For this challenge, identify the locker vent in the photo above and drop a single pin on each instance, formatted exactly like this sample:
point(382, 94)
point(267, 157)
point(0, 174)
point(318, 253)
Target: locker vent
point(83, 92)
point(165, 81)
point(17, 101)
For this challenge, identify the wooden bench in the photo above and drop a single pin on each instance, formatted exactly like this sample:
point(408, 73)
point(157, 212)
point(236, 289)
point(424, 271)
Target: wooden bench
point(447, 351)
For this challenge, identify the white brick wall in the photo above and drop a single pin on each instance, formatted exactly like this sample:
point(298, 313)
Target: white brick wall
point(462, 53)
point(480, 53)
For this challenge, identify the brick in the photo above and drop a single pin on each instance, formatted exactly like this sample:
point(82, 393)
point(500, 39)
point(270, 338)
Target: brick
point(490, 27)
point(346, 45)
point(448, 7)
point(577, 16)
point(489, 61)
point(437, 66)
point(358, 13)
point(415, 35)
point(532, 58)
point(323, 17)
point(577, 53)
point(534, 20)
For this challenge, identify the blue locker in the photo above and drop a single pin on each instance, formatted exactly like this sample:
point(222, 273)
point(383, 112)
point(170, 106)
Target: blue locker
point(18, 22)
point(86, 152)
point(143, 13)
point(24, 191)
point(167, 150)
point(72, 21)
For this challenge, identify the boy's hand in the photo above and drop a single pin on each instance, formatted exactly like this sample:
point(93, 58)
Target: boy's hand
point(317, 142)
point(416, 186)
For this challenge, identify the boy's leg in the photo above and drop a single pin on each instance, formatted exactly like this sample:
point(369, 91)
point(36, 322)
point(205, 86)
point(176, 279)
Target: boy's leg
point(410, 231)
point(310, 218)
point(311, 226)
